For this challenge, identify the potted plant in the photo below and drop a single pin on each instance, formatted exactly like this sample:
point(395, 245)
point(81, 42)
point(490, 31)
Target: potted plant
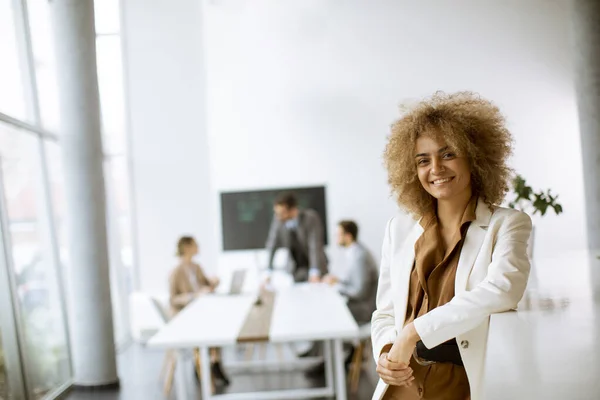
point(532, 202)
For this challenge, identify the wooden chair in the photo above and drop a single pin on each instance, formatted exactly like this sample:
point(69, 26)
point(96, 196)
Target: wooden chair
point(364, 337)
point(167, 371)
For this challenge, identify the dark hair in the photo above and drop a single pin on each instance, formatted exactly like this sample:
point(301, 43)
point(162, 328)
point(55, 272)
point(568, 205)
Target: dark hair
point(182, 243)
point(287, 199)
point(349, 227)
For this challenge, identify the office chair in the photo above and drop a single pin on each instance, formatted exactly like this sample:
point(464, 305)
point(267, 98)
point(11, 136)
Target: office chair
point(364, 337)
point(170, 360)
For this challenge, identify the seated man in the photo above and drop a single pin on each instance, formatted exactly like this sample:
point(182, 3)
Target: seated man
point(358, 283)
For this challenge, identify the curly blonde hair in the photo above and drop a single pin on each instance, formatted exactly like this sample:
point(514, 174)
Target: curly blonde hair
point(472, 126)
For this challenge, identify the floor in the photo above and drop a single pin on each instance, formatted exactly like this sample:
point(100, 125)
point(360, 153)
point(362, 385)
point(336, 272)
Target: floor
point(139, 370)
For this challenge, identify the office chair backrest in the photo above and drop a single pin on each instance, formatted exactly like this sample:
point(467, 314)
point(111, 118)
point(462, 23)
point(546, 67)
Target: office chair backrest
point(164, 315)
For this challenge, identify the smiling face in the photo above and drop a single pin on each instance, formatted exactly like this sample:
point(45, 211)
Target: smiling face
point(442, 172)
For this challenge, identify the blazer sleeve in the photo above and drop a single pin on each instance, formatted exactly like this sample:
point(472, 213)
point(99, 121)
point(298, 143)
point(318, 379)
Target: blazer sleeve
point(383, 322)
point(500, 291)
point(273, 241)
point(201, 277)
point(177, 297)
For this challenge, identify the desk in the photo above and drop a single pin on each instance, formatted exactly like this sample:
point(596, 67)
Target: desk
point(302, 312)
point(550, 347)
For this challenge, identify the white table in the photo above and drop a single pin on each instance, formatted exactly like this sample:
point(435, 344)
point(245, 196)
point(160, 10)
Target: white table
point(550, 348)
point(302, 312)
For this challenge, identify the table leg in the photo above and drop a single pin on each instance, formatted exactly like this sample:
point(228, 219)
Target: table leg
point(328, 358)
point(205, 374)
point(181, 384)
point(340, 374)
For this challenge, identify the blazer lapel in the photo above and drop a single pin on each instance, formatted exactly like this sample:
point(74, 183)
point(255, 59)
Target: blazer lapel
point(183, 280)
point(405, 260)
point(301, 228)
point(473, 241)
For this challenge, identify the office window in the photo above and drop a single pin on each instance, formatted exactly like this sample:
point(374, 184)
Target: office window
point(109, 66)
point(44, 63)
point(110, 85)
point(12, 99)
point(38, 296)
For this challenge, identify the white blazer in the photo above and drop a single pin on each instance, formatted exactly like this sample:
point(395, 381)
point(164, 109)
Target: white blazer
point(491, 277)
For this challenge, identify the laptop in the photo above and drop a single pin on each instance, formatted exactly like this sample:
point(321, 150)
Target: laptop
point(237, 281)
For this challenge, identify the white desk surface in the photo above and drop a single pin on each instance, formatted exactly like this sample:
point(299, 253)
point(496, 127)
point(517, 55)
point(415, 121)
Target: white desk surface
point(310, 312)
point(301, 312)
point(550, 347)
point(212, 320)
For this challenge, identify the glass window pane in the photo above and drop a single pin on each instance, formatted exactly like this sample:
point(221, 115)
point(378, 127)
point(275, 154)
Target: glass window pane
point(107, 16)
point(45, 345)
point(12, 99)
point(45, 67)
point(57, 191)
point(110, 81)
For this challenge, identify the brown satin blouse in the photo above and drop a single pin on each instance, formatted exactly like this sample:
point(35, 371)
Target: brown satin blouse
point(431, 286)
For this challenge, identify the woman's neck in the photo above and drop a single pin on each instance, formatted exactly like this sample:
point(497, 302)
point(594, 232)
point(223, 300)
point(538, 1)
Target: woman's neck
point(186, 259)
point(450, 211)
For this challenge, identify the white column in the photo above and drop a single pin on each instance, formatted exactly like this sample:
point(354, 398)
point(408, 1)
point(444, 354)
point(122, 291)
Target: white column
point(93, 348)
point(586, 52)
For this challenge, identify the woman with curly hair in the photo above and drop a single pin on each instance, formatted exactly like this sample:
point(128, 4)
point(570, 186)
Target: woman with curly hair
point(460, 260)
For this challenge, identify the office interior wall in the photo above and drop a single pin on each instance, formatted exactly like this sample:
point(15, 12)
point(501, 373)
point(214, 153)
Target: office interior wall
point(234, 95)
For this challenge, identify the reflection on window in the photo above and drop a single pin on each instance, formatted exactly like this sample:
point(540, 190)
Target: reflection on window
point(46, 356)
point(57, 191)
point(12, 100)
point(44, 62)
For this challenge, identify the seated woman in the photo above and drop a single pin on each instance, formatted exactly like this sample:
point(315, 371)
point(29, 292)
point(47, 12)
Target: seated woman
point(187, 283)
point(460, 260)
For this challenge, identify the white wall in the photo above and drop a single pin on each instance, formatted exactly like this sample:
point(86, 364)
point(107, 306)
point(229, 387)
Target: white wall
point(303, 93)
point(165, 85)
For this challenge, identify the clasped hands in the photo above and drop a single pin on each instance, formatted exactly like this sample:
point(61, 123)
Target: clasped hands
point(393, 364)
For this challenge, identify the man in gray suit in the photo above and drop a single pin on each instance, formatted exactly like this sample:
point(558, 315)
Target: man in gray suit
point(359, 282)
point(301, 232)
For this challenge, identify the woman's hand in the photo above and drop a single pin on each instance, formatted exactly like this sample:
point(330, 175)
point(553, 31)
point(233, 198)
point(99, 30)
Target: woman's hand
point(404, 345)
point(330, 279)
point(392, 366)
point(203, 291)
point(394, 373)
point(214, 282)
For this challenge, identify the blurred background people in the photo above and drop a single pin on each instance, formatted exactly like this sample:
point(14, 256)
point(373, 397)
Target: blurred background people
point(301, 232)
point(188, 282)
point(358, 284)
point(358, 279)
